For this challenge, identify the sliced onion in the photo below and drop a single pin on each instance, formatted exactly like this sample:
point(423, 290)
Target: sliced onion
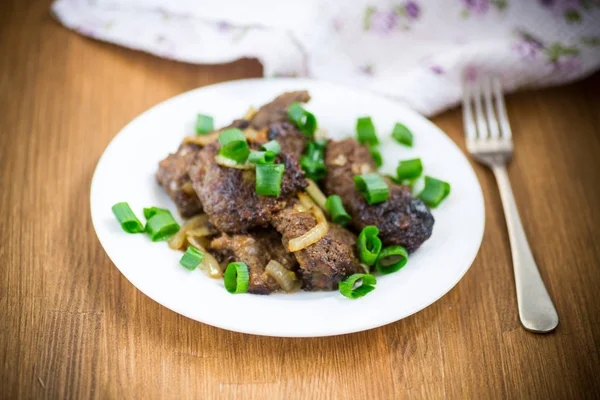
point(209, 265)
point(188, 188)
point(202, 231)
point(316, 233)
point(321, 134)
point(286, 279)
point(365, 268)
point(251, 134)
point(305, 201)
point(249, 114)
point(316, 194)
point(177, 241)
point(202, 140)
point(300, 208)
point(228, 162)
point(198, 241)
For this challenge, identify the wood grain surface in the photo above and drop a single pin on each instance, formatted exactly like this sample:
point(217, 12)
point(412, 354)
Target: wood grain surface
point(71, 326)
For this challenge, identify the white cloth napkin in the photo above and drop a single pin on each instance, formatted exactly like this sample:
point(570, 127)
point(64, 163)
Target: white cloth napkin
point(417, 51)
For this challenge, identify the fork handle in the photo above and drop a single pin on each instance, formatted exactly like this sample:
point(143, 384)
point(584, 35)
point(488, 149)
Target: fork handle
point(536, 311)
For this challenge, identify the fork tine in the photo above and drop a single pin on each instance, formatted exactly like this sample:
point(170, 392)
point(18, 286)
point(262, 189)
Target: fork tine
point(479, 116)
point(501, 110)
point(470, 129)
point(489, 109)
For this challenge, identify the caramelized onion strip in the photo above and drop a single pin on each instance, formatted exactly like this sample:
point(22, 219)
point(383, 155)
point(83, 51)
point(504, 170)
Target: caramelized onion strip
point(316, 194)
point(177, 241)
point(209, 265)
point(316, 233)
point(286, 279)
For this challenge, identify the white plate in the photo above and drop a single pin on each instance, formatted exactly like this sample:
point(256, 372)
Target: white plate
point(126, 171)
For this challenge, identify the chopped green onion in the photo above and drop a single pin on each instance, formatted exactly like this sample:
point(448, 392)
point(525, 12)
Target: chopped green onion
point(365, 130)
point(152, 211)
point(367, 285)
point(373, 187)
point(129, 222)
point(236, 277)
point(376, 156)
point(268, 179)
point(262, 157)
point(435, 191)
point(391, 259)
point(234, 145)
point(304, 120)
point(191, 258)
point(204, 124)
point(402, 134)
point(273, 146)
point(368, 245)
point(313, 161)
point(161, 226)
point(336, 210)
point(409, 169)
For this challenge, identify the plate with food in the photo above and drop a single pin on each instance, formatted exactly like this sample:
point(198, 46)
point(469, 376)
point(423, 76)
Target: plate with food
point(287, 207)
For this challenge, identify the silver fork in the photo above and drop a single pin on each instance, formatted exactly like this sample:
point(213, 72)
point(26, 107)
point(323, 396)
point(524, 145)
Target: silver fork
point(489, 140)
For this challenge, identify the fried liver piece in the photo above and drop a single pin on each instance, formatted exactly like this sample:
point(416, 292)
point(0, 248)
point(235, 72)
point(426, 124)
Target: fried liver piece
point(255, 249)
point(276, 110)
point(229, 197)
point(291, 140)
point(173, 176)
point(323, 265)
point(402, 219)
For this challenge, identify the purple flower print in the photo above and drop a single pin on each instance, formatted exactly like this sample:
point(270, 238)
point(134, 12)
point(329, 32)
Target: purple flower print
point(412, 10)
point(527, 46)
point(436, 69)
point(337, 23)
point(470, 73)
point(564, 65)
point(478, 7)
point(224, 26)
point(367, 69)
point(528, 50)
point(383, 22)
point(571, 11)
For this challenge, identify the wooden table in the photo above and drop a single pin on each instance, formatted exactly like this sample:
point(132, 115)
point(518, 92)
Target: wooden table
point(72, 326)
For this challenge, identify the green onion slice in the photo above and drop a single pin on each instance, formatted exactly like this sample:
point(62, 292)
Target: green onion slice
point(391, 259)
point(367, 285)
point(161, 226)
point(129, 222)
point(313, 161)
point(152, 211)
point(365, 130)
point(402, 134)
point(191, 258)
point(409, 169)
point(234, 145)
point(262, 157)
point(268, 179)
point(434, 192)
point(376, 156)
point(236, 277)
point(373, 187)
point(204, 124)
point(273, 146)
point(368, 245)
point(304, 120)
point(336, 210)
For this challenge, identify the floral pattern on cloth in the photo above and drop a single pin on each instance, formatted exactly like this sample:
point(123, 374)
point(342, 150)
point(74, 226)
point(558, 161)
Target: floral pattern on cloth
point(418, 52)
